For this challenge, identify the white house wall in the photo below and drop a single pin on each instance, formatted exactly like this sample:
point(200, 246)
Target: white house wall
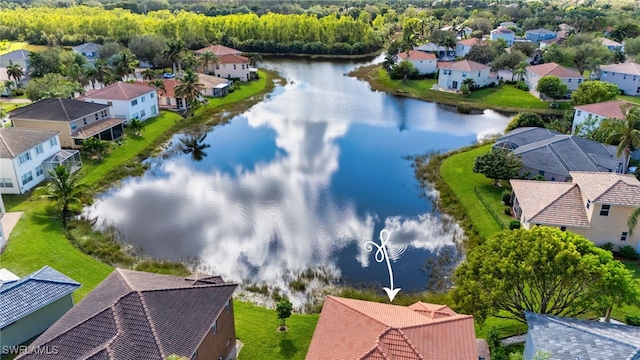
point(481, 78)
point(124, 109)
point(17, 170)
point(580, 117)
point(7, 171)
point(630, 84)
point(425, 66)
point(462, 50)
point(231, 71)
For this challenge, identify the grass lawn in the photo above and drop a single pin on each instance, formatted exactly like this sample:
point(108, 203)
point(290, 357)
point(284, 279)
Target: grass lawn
point(256, 328)
point(7, 47)
point(633, 99)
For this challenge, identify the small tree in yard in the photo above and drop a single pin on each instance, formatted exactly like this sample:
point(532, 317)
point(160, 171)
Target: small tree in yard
point(95, 147)
point(137, 126)
point(64, 191)
point(498, 164)
point(284, 309)
point(551, 86)
point(525, 119)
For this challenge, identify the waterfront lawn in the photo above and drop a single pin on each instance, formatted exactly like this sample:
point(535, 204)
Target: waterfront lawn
point(633, 99)
point(256, 328)
point(511, 96)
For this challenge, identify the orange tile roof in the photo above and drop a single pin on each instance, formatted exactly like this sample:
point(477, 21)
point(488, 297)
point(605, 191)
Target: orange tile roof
point(219, 50)
point(417, 55)
point(471, 41)
point(232, 59)
point(553, 69)
point(356, 329)
point(608, 109)
point(467, 65)
point(118, 91)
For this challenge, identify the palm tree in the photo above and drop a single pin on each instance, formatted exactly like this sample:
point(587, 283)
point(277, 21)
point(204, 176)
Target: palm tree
point(64, 191)
point(103, 71)
point(9, 84)
point(254, 59)
point(91, 73)
point(148, 74)
point(626, 133)
point(15, 72)
point(137, 126)
point(193, 144)
point(633, 221)
point(124, 64)
point(592, 64)
point(189, 89)
point(173, 53)
point(521, 69)
point(158, 84)
point(206, 58)
point(189, 61)
point(448, 43)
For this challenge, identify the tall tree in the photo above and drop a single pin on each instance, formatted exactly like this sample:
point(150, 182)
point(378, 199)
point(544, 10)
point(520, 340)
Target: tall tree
point(189, 89)
point(633, 220)
point(65, 191)
point(173, 53)
point(159, 85)
point(543, 270)
point(625, 133)
point(498, 164)
point(189, 62)
point(254, 59)
point(124, 64)
point(509, 61)
point(15, 72)
point(208, 57)
point(551, 86)
point(52, 86)
point(148, 74)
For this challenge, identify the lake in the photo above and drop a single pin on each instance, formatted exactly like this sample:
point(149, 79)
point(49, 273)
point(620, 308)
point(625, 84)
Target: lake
point(301, 180)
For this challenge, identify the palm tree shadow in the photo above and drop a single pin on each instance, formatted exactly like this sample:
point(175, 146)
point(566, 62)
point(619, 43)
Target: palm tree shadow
point(288, 349)
point(194, 145)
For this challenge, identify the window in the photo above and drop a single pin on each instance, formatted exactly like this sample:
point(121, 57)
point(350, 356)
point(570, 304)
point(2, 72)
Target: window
point(142, 113)
point(153, 110)
point(97, 117)
point(588, 203)
point(624, 77)
point(541, 172)
point(234, 66)
point(85, 120)
point(39, 170)
point(604, 210)
point(579, 113)
point(228, 305)
point(24, 157)
point(217, 67)
point(6, 183)
point(214, 327)
point(53, 141)
point(623, 237)
point(464, 74)
point(103, 114)
point(73, 126)
point(39, 149)
point(26, 178)
point(569, 80)
point(134, 116)
point(168, 101)
point(142, 98)
point(579, 81)
point(152, 95)
point(134, 102)
point(563, 228)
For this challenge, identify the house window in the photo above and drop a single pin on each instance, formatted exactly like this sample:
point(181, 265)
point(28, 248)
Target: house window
point(579, 81)
point(228, 305)
point(579, 113)
point(39, 149)
point(151, 95)
point(134, 116)
point(168, 101)
point(563, 228)
point(214, 327)
point(604, 210)
point(53, 141)
point(142, 113)
point(195, 355)
point(6, 183)
point(39, 170)
point(217, 67)
point(541, 172)
point(464, 75)
point(142, 98)
point(234, 66)
point(24, 157)
point(104, 113)
point(478, 73)
point(85, 120)
point(624, 77)
point(569, 80)
point(624, 235)
point(73, 126)
point(588, 203)
point(134, 102)
point(153, 110)
point(97, 117)
point(26, 178)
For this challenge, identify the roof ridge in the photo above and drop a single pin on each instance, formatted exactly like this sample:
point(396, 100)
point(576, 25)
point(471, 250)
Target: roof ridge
point(360, 312)
point(555, 200)
point(405, 338)
point(64, 109)
point(450, 318)
point(374, 348)
point(7, 146)
point(126, 281)
point(615, 183)
point(187, 287)
point(156, 338)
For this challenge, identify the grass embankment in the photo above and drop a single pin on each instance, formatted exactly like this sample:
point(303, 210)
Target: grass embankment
point(9, 46)
point(506, 98)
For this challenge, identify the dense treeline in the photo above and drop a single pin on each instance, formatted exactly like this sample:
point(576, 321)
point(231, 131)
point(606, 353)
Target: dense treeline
point(250, 32)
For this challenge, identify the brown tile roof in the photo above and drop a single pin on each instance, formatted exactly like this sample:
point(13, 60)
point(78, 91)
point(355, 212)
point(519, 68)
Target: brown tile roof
point(356, 329)
point(95, 128)
point(219, 50)
point(15, 141)
point(609, 188)
point(117, 91)
point(136, 315)
point(232, 59)
point(467, 65)
point(609, 109)
point(471, 41)
point(550, 203)
point(56, 109)
point(628, 68)
point(553, 69)
point(210, 81)
point(417, 55)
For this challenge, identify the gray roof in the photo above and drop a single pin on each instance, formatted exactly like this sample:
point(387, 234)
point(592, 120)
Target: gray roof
point(568, 338)
point(16, 55)
point(558, 153)
point(15, 141)
point(541, 31)
point(139, 315)
point(32, 292)
point(88, 47)
point(431, 47)
point(57, 109)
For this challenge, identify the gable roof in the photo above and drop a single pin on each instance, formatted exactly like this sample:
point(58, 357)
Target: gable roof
point(57, 109)
point(502, 30)
point(550, 203)
point(416, 55)
point(133, 312)
point(232, 59)
point(210, 81)
point(356, 329)
point(565, 337)
point(32, 292)
point(467, 65)
point(14, 141)
point(118, 91)
point(88, 47)
point(219, 50)
point(609, 188)
point(553, 69)
point(16, 55)
point(629, 68)
point(470, 41)
point(431, 47)
point(608, 109)
point(609, 42)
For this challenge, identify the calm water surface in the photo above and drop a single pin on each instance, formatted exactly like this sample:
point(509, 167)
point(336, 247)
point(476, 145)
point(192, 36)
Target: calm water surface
point(300, 180)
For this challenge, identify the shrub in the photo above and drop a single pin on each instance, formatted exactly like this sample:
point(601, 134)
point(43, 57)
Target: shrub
point(607, 246)
point(514, 225)
point(507, 210)
point(506, 197)
point(463, 109)
point(525, 119)
point(633, 320)
point(629, 252)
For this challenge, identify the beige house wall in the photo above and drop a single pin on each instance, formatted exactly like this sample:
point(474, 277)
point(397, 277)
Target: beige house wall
point(63, 127)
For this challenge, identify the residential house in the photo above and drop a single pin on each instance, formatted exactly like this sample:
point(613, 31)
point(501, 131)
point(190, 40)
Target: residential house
point(538, 35)
point(357, 329)
point(27, 156)
point(16, 57)
point(612, 45)
point(559, 39)
point(90, 51)
point(75, 120)
point(595, 205)
point(503, 33)
point(426, 63)
point(613, 109)
point(569, 77)
point(442, 53)
point(508, 24)
point(554, 155)
point(625, 75)
point(213, 86)
point(461, 31)
point(570, 338)
point(146, 316)
point(218, 50)
point(127, 100)
point(29, 305)
point(232, 66)
point(464, 46)
point(451, 76)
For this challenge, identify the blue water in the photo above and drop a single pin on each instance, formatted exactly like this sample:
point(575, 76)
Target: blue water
point(300, 180)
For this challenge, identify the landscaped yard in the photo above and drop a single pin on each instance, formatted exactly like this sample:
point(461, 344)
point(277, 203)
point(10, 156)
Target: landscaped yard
point(6, 47)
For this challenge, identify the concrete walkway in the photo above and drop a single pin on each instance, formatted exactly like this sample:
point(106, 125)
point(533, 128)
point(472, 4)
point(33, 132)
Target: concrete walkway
point(8, 221)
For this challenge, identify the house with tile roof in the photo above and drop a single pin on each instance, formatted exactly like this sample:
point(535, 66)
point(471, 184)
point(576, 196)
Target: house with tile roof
point(91, 51)
point(442, 53)
point(554, 155)
point(211, 86)
point(214, 86)
point(452, 75)
point(614, 109)
point(626, 75)
point(503, 33)
point(133, 314)
point(595, 205)
point(537, 35)
point(572, 339)
point(357, 329)
point(127, 100)
point(612, 45)
point(218, 50)
point(464, 46)
point(16, 57)
point(75, 120)
point(569, 77)
point(233, 66)
point(27, 156)
point(425, 62)
point(29, 305)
